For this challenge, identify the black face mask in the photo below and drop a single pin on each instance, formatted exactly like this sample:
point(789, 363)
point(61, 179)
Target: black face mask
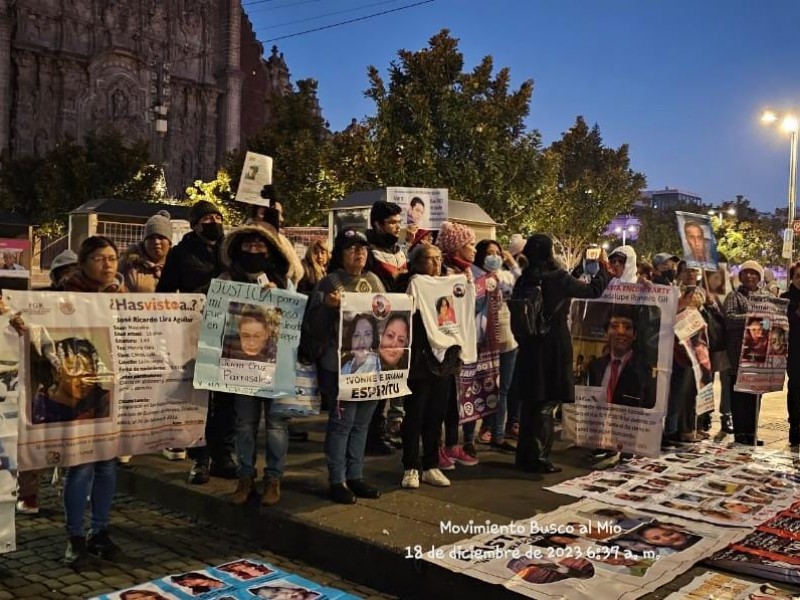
point(212, 231)
point(253, 263)
point(669, 274)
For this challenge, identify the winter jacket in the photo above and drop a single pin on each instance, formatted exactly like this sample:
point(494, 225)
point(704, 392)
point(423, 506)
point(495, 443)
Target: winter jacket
point(387, 262)
point(140, 273)
point(78, 282)
point(190, 266)
point(281, 262)
point(736, 307)
point(793, 296)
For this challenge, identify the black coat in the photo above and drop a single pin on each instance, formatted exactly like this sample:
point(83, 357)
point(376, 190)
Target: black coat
point(190, 266)
point(635, 386)
point(793, 296)
point(543, 371)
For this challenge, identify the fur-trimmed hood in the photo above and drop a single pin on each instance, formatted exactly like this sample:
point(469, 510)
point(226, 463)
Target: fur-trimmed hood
point(279, 244)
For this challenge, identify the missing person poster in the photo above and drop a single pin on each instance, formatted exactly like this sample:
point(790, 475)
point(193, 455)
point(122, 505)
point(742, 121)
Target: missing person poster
point(583, 551)
point(16, 257)
point(256, 173)
point(731, 487)
point(237, 579)
point(692, 333)
point(425, 208)
point(104, 375)
point(625, 340)
point(249, 339)
point(479, 382)
point(698, 241)
point(9, 422)
point(720, 586)
point(374, 346)
point(762, 362)
point(770, 552)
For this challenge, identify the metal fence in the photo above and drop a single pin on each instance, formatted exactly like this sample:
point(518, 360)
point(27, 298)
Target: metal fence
point(302, 237)
point(122, 234)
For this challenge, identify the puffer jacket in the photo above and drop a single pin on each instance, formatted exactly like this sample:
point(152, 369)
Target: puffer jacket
point(190, 266)
point(282, 258)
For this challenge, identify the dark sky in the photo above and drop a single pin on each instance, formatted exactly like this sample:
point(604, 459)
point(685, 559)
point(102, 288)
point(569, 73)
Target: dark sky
point(682, 81)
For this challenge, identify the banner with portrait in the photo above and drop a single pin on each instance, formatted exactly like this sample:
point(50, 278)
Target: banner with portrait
point(256, 173)
point(9, 423)
point(478, 383)
point(578, 549)
point(718, 282)
point(770, 552)
point(105, 375)
point(692, 333)
point(425, 208)
point(733, 487)
point(698, 241)
point(249, 340)
point(720, 586)
point(238, 579)
point(16, 258)
point(623, 345)
point(762, 362)
point(374, 346)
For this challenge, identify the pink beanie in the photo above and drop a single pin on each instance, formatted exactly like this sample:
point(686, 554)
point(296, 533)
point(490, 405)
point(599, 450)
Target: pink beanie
point(453, 236)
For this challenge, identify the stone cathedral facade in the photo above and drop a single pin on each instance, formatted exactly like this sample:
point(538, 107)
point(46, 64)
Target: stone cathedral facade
point(191, 67)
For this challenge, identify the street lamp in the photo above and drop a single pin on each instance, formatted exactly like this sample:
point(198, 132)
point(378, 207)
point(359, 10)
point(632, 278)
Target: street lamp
point(720, 214)
point(624, 231)
point(789, 125)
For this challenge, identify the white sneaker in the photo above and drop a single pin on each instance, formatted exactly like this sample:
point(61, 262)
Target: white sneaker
point(435, 477)
point(174, 453)
point(410, 479)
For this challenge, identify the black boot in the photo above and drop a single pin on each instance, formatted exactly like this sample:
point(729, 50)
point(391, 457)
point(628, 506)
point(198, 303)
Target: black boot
point(537, 457)
point(100, 545)
point(224, 468)
point(727, 423)
point(199, 473)
point(76, 550)
point(377, 444)
point(341, 494)
point(362, 490)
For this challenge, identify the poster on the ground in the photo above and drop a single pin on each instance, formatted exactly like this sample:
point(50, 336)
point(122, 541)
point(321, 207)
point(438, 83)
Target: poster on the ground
point(577, 549)
point(249, 339)
point(734, 487)
point(9, 422)
point(16, 258)
point(770, 552)
point(424, 207)
point(698, 241)
point(692, 333)
point(246, 578)
point(105, 375)
point(256, 173)
point(625, 339)
point(720, 586)
point(478, 382)
point(374, 346)
point(762, 362)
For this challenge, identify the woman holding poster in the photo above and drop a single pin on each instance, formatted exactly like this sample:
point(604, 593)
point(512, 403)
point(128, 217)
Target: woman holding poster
point(543, 371)
point(348, 421)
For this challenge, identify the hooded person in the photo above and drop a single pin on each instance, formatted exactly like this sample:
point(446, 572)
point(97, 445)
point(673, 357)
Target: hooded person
point(543, 374)
point(142, 262)
point(623, 265)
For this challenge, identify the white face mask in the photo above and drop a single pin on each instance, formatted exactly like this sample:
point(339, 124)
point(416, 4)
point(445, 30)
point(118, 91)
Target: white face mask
point(492, 262)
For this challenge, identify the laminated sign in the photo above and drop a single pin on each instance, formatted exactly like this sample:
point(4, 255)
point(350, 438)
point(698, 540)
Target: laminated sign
point(692, 333)
point(762, 362)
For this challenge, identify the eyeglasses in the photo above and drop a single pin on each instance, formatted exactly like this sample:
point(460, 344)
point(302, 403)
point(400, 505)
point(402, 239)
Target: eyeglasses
point(103, 260)
point(357, 248)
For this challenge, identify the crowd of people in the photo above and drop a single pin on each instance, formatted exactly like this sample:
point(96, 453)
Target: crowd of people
point(537, 374)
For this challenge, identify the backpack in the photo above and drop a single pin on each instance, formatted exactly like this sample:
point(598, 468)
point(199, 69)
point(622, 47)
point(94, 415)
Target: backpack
point(528, 318)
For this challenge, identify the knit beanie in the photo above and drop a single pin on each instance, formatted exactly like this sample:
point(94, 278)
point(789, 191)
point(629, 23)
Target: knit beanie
point(453, 236)
point(516, 244)
point(159, 224)
point(752, 266)
point(382, 210)
point(200, 209)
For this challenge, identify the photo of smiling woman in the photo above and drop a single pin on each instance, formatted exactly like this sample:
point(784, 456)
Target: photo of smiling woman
point(67, 378)
point(394, 343)
point(360, 346)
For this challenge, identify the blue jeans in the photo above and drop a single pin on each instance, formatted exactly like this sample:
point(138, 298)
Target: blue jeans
point(98, 479)
point(346, 434)
point(248, 415)
point(498, 419)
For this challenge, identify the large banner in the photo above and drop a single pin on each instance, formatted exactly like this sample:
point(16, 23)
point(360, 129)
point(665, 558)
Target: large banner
point(576, 550)
point(692, 333)
point(762, 363)
point(698, 241)
point(256, 173)
point(245, 578)
point(9, 418)
point(771, 552)
point(374, 346)
point(104, 375)
point(424, 207)
point(249, 339)
point(478, 384)
point(714, 484)
point(625, 339)
point(719, 586)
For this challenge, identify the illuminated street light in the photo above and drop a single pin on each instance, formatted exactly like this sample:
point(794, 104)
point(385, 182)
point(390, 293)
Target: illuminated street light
point(624, 231)
point(789, 124)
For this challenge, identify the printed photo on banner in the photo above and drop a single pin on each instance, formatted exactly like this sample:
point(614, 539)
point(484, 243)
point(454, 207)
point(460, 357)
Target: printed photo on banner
point(256, 173)
point(424, 208)
point(195, 583)
point(70, 379)
point(245, 570)
point(718, 282)
point(691, 331)
point(145, 591)
point(375, 345)
point(727, 587)
point(445, 313)
point(698, 241)
point(250, 345)
point(15, 254)
point(281, 589)
point(762, 362)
